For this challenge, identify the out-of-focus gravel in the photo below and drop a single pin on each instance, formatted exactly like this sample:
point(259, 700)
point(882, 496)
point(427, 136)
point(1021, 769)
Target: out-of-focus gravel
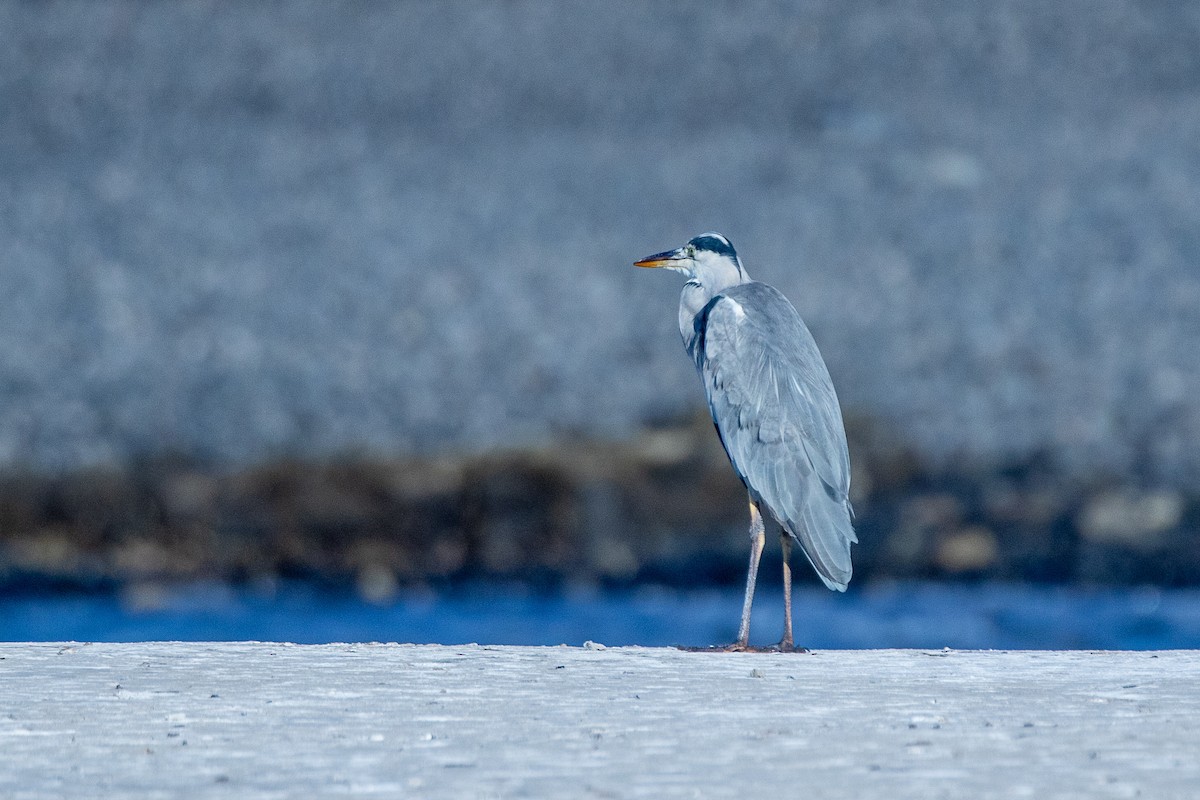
point(241, 231)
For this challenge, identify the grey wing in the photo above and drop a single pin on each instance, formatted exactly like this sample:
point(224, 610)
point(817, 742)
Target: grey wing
point(778, 416)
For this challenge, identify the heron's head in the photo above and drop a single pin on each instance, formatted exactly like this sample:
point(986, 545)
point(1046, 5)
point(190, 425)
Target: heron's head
point(708, 259)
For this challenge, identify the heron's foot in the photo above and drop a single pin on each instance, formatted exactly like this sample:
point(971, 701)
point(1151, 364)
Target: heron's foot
point(786, 647)
point(720, 648)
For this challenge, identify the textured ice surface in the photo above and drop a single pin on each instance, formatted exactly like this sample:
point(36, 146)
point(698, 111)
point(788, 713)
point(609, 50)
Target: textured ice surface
point(245, 230)
point(271, 720)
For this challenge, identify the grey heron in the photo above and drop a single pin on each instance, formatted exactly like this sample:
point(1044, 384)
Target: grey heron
point(775, 410)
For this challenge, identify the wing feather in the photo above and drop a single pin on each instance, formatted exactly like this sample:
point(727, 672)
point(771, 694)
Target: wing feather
point(778, 416)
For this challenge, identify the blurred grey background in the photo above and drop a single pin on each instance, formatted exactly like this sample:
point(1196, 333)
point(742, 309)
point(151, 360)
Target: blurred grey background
point(241, 231)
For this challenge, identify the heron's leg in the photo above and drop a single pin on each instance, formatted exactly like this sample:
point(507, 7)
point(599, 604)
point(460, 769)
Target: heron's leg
point(785, 541)
point(758, 537)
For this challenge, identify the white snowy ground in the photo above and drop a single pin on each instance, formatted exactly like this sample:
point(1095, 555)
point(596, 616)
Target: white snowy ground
point(253, 720)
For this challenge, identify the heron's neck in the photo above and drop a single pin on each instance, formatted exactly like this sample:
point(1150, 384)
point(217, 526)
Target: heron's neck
point(696, 295)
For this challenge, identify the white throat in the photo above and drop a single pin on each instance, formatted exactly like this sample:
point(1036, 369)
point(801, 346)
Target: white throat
point(708, 274)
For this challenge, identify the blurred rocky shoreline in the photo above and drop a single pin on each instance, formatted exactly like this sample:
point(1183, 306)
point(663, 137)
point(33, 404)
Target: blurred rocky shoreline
point(232, 230)
point(663, 508)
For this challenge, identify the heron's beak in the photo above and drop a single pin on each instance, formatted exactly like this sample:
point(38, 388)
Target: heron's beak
point(666, 259)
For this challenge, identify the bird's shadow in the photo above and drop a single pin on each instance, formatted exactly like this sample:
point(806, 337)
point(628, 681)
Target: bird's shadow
point(735, 648)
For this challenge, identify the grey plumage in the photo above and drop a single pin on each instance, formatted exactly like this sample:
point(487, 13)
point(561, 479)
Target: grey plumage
point(778, 417)
point(774, 407)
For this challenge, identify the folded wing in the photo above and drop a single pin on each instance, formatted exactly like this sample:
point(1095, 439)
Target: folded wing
point(778, 416)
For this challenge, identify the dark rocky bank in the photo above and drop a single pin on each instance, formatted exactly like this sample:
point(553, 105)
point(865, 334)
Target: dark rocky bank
point(662, 508)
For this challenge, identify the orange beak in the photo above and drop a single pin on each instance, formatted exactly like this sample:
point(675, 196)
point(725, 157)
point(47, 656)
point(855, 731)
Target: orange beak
point(664, 259)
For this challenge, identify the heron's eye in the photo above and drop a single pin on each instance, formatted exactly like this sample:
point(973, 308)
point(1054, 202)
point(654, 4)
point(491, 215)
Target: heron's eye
point(691, 251)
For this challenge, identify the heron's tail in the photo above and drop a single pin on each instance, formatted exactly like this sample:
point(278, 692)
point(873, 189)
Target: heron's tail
point(825, 533)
